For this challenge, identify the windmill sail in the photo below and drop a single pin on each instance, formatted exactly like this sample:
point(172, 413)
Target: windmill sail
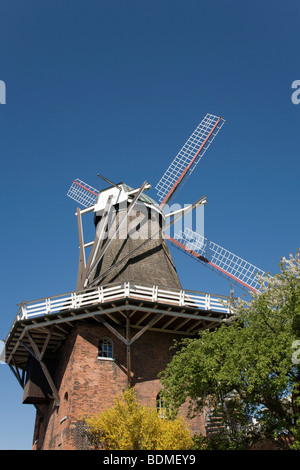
point(217, 257)
point(188, 157)
point(83, 193)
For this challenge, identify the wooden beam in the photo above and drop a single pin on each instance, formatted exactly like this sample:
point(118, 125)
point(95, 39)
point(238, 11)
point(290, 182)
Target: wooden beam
point(128, 351)
point(16, 373)
point(146, 327)
point(113, 331)
point(46, 342)
point(37, 355)
point(142, 318)
point(31, 352)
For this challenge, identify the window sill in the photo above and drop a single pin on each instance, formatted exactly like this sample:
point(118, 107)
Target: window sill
point(106, 358)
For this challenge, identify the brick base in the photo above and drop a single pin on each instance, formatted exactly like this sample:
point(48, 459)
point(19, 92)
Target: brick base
point(87, 384)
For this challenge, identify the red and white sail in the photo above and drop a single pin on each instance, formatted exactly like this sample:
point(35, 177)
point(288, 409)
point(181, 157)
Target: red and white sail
point(83, 193)
point(188, 157)
point(215, 256)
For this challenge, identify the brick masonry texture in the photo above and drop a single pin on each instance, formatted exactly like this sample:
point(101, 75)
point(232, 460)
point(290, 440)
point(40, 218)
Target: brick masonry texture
point(87, 384)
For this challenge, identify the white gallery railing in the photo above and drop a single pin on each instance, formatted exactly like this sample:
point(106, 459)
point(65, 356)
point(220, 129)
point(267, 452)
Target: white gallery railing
point(102, 294)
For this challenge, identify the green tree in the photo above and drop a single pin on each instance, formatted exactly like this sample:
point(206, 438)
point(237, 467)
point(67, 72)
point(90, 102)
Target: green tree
point(128, 425)
point(248, 369)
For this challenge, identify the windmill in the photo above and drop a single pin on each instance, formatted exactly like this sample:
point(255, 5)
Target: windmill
point(206, 252)
point(74, 351)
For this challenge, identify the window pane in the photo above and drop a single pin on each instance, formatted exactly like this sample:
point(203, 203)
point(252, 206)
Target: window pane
point(105, 348)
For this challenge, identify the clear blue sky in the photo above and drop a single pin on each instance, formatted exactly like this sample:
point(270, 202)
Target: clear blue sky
point(116, 87)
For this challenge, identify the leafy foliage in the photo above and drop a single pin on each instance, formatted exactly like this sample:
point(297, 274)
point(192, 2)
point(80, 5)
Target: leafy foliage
point(129, 425)
point(246, 368)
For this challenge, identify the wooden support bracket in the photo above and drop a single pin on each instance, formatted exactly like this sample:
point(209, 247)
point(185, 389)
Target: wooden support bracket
point(38, 355)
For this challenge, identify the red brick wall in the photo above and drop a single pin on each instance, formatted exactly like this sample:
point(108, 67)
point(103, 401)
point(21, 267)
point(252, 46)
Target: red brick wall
point(87, 384)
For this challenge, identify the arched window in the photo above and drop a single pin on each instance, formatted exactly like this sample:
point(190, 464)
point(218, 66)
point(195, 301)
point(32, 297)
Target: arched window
point(105, 349)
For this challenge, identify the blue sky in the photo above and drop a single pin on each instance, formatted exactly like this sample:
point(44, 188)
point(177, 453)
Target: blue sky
point(116, 87)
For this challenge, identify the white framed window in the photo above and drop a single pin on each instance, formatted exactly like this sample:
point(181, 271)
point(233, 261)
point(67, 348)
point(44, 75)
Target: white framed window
point(105, 349)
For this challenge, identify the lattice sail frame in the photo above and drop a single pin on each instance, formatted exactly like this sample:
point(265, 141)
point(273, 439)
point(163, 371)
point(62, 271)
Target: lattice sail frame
point(219, 258)
point(190, 154)
point(83, 193)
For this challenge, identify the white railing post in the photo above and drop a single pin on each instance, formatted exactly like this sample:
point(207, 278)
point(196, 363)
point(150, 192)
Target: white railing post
point(126, 289)
point(154, 293)
point(73, 300)
point(100, 294)
point(23, 309)
point(181, 298)
point(207, 302)
point(48, 306)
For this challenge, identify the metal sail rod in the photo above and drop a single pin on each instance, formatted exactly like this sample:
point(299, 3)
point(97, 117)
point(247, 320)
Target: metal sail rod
point(109, 182)
point(178, 211)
